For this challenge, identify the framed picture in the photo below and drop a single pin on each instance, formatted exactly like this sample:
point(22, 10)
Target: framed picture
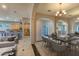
point(27, 29)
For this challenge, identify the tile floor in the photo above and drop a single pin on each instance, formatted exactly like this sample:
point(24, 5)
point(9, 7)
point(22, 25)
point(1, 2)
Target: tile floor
point(24, 47)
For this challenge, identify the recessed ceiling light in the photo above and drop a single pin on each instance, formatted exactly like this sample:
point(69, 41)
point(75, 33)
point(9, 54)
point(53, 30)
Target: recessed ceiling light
point(4, 6)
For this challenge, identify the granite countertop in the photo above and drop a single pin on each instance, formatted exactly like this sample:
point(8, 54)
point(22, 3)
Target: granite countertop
point(6, 46)
point(6, 49)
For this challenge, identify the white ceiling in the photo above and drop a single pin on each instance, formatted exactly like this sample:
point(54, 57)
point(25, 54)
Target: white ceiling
point(72, 9)
point(15, 11)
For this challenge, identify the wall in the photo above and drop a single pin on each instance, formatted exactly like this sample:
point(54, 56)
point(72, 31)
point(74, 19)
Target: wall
point(38, 30)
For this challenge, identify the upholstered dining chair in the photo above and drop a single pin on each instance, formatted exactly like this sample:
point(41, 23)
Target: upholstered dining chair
point(44, 39)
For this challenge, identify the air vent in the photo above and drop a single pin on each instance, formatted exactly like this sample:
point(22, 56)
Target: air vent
point(49, 10)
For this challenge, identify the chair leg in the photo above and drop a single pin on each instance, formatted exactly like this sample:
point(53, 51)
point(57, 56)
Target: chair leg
point(42, 44)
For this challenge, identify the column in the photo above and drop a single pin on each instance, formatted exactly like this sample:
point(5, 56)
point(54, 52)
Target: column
point(33, 24)
point(55, 27)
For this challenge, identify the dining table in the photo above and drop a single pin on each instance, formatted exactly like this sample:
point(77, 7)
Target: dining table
point(65, 39)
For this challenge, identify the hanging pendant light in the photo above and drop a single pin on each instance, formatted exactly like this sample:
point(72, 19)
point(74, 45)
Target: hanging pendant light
point(61, 12)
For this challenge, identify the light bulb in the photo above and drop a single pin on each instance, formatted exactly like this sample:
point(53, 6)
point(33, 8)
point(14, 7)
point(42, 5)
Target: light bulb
point(57, 12)
point(64, 11)
point(60, 14)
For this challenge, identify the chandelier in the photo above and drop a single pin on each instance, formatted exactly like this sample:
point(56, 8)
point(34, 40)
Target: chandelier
point(61, 12)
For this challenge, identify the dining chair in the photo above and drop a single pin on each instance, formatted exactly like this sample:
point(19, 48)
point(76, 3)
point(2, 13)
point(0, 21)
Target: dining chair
point(44, 41)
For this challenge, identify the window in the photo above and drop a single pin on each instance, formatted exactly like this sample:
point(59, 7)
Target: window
point(45, 29)
point(77, 27)
point(62, 28)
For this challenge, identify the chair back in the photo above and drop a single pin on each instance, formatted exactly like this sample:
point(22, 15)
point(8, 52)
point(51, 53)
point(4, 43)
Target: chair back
point(44, 39)
point(58, 47)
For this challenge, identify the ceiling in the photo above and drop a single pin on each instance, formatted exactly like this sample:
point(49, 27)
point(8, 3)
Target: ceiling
point(15, 11)
point(72, 9)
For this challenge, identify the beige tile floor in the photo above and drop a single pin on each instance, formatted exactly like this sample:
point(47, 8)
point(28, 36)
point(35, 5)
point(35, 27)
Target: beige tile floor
point(26, 45)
